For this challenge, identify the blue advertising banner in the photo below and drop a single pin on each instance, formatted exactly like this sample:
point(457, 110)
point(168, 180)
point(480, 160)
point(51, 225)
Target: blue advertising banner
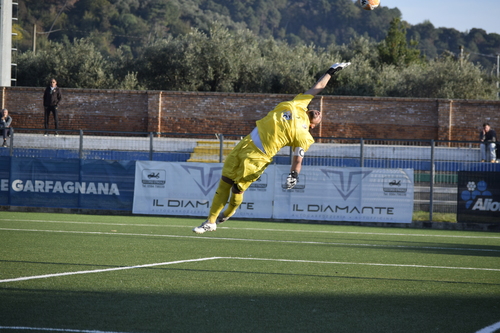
point(67, 183)
point(110, 184)
point(478, 197)
point(4, 179)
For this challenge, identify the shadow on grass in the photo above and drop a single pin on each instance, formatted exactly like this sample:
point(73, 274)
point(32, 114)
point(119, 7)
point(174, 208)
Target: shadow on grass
point(340, 311)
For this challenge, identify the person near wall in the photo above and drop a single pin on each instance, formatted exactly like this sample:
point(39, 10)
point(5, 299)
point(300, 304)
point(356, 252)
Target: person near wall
point(287, 125)
point(5, 122)
point(51, 99)
point(488, 138)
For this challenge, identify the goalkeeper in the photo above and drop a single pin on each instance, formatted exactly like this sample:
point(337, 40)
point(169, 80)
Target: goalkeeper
point(287, 125)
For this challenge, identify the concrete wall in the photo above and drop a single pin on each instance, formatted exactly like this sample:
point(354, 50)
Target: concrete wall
point(231, 113)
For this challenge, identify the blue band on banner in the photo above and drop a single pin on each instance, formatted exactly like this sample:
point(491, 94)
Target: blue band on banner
point(67, 183)
point(4, 180)
point(478, 199)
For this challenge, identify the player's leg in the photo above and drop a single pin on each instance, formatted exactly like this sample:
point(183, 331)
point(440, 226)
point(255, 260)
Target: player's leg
point(220, 198)
point(218, 202)
point(243, 165)
point(482, 148)
point(492, 152)
point(234, 202)
point(252, 166)
point(46, 114)
point(4, 134)
point(56, 120)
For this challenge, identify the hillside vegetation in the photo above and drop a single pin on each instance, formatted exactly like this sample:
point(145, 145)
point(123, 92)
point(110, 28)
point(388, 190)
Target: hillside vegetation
point(249, 46)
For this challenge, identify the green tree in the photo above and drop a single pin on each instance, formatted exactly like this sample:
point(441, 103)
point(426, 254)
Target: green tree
point(224, 60)
point(77, 65)
point(394, 49)
point(444, 78)
point(198, 61)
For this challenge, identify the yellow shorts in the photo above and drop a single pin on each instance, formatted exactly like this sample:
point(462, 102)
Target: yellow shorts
point(245, 164)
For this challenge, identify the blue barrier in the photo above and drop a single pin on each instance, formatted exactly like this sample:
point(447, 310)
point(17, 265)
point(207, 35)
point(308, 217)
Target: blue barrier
point(96, 154)
point(417, 165)
point(67, 183)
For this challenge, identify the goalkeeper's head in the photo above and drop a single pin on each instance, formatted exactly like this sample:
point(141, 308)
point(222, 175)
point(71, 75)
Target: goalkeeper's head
point(314, 118)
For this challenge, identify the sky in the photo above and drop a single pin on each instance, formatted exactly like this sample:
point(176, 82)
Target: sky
point(462, 15)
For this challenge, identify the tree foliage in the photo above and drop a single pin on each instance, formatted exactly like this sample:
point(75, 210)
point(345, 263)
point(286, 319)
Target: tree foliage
point(231, 62)
point(443, 78)
point(138, 23)
point(279, 46)
point(394, 48)
point(77, 64)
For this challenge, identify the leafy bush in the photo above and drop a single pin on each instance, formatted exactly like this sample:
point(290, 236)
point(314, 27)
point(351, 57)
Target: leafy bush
point(238, 61)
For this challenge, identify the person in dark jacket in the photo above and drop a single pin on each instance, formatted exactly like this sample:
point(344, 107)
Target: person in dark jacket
point(5, 122)
point(51, 99)
point(488, 138)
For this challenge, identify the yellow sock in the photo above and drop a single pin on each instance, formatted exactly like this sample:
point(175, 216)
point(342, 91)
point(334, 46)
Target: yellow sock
point(219, 200)
point(234, 202)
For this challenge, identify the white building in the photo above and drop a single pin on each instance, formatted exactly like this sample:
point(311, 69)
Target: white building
point(5, 43)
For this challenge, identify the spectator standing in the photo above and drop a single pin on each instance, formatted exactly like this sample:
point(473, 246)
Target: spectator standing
point(488, 138)
point(5, 122)
point(51, 99)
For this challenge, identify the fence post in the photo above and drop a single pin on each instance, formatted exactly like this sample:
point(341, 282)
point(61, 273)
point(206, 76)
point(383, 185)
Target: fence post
point(431, 188)
point(221, 147)
point(11, 148)
point(80, 149)
point(362, 152)
point(150, 146)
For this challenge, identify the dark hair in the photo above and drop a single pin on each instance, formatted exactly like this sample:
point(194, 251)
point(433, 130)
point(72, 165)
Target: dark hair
point(310, 114)
point(486, 124)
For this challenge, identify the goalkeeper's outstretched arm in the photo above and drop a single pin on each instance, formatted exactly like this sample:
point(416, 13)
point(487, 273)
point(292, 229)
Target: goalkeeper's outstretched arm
point(323, 81)
point(296, 164)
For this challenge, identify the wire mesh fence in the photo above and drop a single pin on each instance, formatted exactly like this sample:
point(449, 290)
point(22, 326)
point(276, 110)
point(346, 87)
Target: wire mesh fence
point(435, 163)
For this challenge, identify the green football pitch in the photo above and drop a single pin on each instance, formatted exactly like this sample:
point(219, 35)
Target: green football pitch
point(95, 273)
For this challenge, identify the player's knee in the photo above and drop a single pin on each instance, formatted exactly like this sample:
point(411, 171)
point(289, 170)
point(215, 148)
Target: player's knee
point(236, 189)
point(236, 199)
point(227, 180)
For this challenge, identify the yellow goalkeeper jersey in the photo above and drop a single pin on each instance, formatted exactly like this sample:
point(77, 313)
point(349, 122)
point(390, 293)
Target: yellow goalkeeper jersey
point(286, 125)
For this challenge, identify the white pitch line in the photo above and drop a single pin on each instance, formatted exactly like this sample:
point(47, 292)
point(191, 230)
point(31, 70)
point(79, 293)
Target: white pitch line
point(490, 329)
point(258, 240)
point(241, 258)
point(53, 329)
point(364, 264)
point(98, 223)
point(370, 233)
point(105, 270)
point(261, 229)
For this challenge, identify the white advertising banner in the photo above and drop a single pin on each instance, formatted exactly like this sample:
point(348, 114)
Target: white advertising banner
point(322, 194)
point(187, 189)
point(346, 194)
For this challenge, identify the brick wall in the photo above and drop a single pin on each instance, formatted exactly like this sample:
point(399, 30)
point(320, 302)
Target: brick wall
point(102, 110)
point(230, 113)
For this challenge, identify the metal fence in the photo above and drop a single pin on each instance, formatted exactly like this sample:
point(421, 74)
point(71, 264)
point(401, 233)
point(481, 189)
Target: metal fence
point(435, 163)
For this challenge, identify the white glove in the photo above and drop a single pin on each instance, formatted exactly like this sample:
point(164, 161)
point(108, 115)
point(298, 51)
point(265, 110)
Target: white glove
point(292, 180)
point(337, 67)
